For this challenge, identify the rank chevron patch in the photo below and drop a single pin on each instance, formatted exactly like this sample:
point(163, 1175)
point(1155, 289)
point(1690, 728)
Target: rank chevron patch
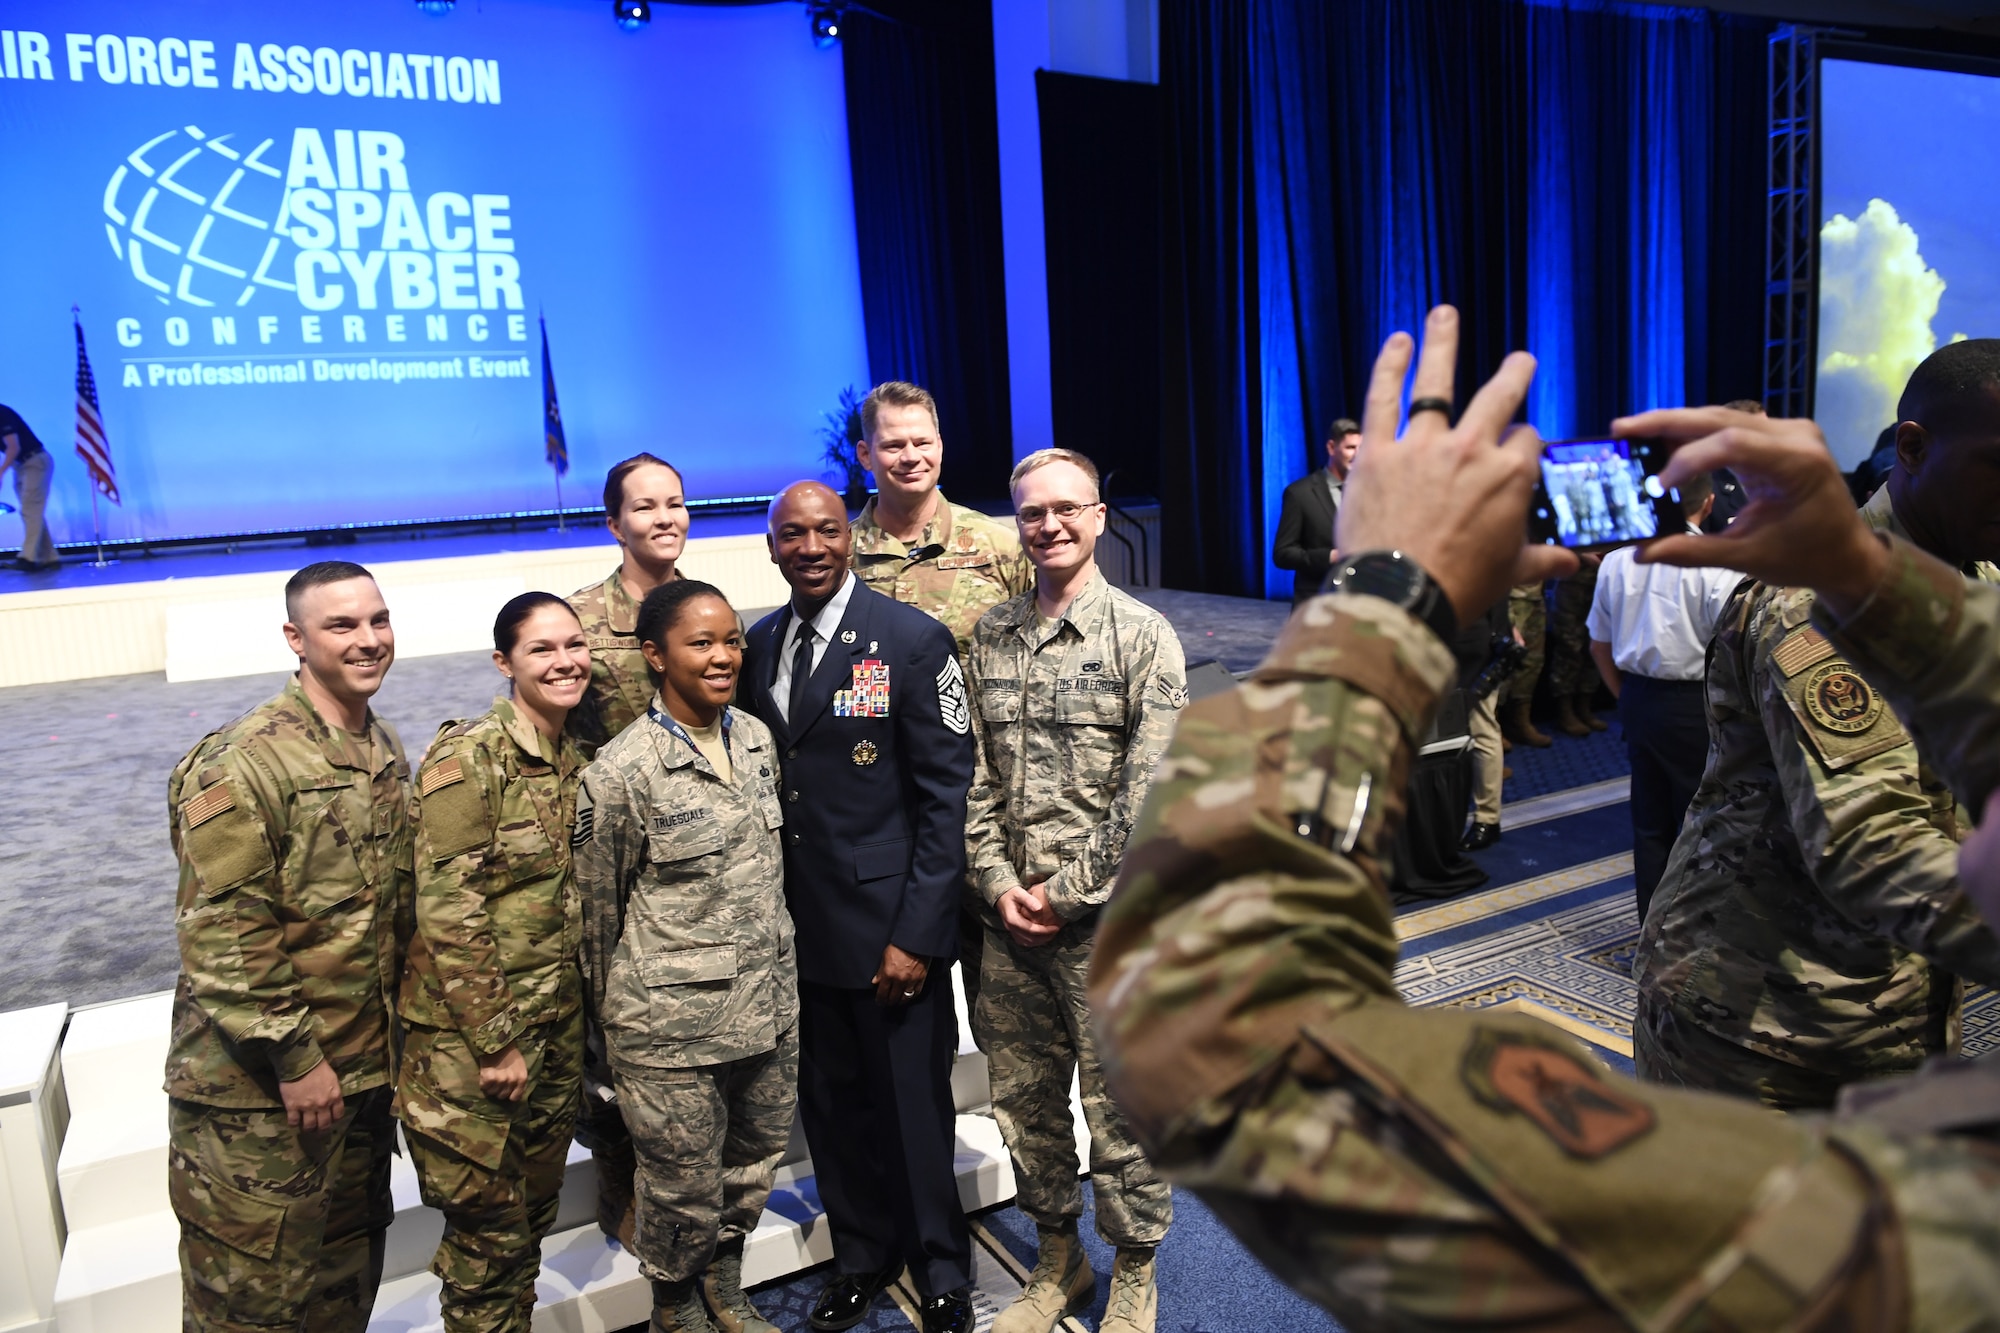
point(952, 703)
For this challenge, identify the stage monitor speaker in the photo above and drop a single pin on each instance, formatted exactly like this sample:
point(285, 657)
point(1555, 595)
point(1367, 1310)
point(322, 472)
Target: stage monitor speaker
point(1207, 676)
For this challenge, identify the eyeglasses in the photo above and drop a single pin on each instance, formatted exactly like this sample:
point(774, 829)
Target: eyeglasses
point(1066, 511)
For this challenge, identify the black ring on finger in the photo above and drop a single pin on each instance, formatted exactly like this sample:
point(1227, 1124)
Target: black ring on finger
point(1430, 405)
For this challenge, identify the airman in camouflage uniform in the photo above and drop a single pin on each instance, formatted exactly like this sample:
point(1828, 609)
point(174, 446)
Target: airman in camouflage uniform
point(1431, 1168)
point(689, 963)
point(294, 845)
point(619, 689)
point(1528, 613)
point(493, 964)
point(1072, 714)
point(1809, 928)
point(962, 566)
point(1572, 675)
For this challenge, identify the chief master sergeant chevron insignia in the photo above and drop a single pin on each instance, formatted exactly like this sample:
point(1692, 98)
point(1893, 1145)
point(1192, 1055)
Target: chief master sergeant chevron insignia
point(952, 703)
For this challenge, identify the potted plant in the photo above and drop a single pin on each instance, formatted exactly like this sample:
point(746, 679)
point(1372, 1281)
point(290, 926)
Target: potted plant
point(839, 436)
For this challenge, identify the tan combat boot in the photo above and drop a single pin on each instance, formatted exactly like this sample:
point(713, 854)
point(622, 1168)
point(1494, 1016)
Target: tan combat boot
point(1134, 1304)
point(1061, 1284)
point(677, 1308)
point(722, 1288)
point(1517, 721)
point(1567, 722)
point(1588, 715)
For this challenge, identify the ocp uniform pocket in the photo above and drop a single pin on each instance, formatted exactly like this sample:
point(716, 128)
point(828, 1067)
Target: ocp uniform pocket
point(322, 870)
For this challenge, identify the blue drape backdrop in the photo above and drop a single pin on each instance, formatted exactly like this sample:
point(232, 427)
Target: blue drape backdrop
point(924, 144)
point(1583, 180)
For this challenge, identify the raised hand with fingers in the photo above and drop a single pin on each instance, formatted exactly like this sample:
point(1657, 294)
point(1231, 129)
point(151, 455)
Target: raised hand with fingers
point(1799, 527)
point(1451, 497)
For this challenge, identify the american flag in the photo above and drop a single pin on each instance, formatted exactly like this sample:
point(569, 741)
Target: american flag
point(91, 446)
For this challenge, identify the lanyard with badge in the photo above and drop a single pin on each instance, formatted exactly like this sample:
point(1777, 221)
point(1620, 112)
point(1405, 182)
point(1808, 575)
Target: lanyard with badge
point(677, 730)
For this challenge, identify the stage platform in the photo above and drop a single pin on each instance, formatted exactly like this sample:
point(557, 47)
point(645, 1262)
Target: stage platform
point(215, 612)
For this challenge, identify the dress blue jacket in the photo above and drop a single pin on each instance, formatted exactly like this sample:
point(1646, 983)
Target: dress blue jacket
point(873, 788)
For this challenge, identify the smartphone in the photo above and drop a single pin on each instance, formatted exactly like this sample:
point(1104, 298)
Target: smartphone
point(1600, 492)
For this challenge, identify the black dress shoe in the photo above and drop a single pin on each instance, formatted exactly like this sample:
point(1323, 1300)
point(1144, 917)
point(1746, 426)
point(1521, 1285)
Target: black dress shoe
point(949, 1313)
point(1480, 837)
point(845, 1301)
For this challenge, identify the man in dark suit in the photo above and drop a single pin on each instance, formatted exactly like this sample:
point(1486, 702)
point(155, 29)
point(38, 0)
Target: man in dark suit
point(1305, 522)
point(867, 700)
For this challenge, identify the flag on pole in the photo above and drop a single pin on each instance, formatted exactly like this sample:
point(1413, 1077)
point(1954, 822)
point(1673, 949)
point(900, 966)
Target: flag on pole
point(552, 427)
point(91, 446)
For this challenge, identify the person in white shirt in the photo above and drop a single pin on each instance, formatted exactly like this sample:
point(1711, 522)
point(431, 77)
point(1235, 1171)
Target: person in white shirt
point(1649, 629)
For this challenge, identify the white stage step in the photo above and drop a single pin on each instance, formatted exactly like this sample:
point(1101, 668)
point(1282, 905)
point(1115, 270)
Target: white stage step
point(120, 1268)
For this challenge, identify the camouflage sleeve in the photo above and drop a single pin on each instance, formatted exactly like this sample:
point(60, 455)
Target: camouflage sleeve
point(1251, 898)
point(987, 865)
point(1156, 692)
point(1414, 1168)
point(230, 838)
point(607, 849)
point(1857, 805)
point(456, 867)
point(1931, 642)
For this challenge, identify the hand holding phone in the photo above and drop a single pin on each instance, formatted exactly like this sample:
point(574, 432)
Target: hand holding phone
point(1602, 492)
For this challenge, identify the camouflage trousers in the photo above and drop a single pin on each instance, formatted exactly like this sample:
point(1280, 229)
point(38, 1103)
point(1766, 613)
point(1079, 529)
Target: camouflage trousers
point(280, 1229)
point(1570, 668)
point(1033, 1022)
point(1527, 612)
point(1668, 1049)
point(494, 1169)
point(708, 1141)
point(600, 1128)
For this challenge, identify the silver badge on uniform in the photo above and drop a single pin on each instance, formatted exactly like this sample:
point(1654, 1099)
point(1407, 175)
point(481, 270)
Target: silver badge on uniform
point(864, 753)
point(847, 636)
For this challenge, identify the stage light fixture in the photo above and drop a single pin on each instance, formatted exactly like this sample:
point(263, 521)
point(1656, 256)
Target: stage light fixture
point(825, 25)
point(436, 6)
point(632, 15)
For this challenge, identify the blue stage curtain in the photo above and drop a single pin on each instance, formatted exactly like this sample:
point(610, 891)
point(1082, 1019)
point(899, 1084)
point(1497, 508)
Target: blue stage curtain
point(924, 150)
point(1557, 171)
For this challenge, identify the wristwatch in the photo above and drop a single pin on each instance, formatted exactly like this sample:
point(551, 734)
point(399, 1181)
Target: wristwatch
point(1394, 577)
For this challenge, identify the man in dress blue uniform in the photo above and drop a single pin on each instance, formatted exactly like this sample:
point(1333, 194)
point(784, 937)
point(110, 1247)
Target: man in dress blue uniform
point(867, 701)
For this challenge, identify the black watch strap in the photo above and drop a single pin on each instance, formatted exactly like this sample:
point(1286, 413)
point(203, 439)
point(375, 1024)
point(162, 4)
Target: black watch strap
point(1395, 577)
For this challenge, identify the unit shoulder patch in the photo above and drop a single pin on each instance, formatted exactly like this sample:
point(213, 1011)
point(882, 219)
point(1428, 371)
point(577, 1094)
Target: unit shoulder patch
point(1841, 717)
point(1565, 1098)
point(453, 812)
point(1840, 700)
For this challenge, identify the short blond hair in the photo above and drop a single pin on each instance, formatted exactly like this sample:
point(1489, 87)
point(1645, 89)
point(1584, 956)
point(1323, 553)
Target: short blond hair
point(895, 393)
point(1044, 457)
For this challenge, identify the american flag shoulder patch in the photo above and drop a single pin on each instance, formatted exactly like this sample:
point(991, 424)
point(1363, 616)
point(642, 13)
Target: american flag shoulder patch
point(1801, 648)
point(442, 775)
point(208, 805)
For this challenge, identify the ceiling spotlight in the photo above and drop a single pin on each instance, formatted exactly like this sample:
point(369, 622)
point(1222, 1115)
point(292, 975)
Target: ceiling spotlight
point(825, 25)
point(632, 15)
point(436, 6)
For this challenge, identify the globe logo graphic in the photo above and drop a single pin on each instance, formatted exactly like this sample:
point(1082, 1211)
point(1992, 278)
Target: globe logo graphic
point(195, 216)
